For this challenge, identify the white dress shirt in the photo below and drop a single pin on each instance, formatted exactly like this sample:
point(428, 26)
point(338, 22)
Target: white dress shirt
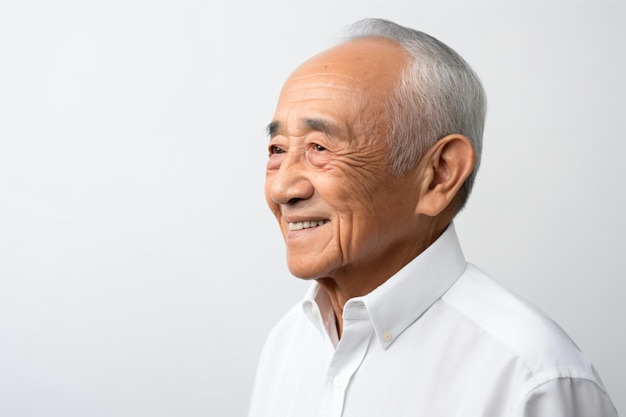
point(440, 338)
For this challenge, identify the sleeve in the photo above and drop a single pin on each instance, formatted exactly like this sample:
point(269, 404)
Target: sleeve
point(568, 397)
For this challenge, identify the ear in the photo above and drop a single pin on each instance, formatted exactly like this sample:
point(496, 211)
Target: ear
point(445, 167)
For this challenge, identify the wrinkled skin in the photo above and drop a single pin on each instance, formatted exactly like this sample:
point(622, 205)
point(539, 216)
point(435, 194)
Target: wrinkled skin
point(339, 174)
point(328, 164)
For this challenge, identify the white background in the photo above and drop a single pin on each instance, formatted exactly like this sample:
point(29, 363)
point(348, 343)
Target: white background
point(139, 267)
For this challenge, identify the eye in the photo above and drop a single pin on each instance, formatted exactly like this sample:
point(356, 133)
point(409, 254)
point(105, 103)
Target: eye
point(275, 157)
point(276, 150)
point(318, 155)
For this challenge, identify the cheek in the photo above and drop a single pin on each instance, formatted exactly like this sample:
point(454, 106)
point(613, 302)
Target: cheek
point(274, 208)
point(352, 200)
point(268, 199)
point(362, 188)
point(362, 171)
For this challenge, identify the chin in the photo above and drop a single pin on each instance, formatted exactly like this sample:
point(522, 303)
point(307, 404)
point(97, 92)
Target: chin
point(303, 273)
point(306, 270)
point(313, 262)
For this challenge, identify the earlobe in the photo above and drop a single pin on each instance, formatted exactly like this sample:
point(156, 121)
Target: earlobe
point(446, 166)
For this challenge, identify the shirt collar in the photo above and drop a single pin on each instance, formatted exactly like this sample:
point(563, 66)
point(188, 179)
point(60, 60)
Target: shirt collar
point(317, 307)
point(403, 298)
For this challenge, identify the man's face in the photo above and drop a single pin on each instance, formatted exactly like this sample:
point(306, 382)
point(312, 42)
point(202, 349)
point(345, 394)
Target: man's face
point(327, 181)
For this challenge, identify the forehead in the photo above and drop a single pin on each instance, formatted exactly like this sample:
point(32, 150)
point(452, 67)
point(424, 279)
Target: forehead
point(368, 64)
point(345, 82)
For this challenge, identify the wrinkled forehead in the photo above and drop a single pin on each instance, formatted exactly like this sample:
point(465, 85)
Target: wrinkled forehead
point(347, 86)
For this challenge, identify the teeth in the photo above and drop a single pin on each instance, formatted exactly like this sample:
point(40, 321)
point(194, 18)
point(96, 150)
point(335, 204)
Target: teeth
point(306, 225)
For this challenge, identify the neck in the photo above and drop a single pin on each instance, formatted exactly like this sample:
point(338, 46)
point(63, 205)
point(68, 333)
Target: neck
point(352, 281)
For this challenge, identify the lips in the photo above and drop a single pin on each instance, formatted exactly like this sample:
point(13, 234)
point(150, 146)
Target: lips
point(306, 224)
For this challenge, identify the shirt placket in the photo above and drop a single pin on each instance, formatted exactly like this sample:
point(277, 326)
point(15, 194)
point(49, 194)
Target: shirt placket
point(351, 350)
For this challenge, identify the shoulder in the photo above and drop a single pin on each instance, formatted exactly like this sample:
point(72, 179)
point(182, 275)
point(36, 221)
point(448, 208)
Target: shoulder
point(555, 368)
point(512, 321)
point(566, 397)
point(287, 326)
point(279, 343)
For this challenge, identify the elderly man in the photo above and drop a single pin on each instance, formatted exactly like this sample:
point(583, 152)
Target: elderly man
point(373, 150)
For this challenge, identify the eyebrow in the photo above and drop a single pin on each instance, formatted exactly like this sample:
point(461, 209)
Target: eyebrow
point(272, 129)
point(319, 125)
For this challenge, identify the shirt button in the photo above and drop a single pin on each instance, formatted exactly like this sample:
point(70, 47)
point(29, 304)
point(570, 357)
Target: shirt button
point(387, 336)
point(339, 382)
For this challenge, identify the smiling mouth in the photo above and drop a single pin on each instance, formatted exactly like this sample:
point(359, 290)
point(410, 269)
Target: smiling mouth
point(306, 225)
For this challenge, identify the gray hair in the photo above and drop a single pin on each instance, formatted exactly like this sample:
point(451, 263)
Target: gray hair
point(438, 94)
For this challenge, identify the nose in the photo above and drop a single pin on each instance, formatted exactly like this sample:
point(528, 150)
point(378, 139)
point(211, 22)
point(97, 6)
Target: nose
point(290, 182)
